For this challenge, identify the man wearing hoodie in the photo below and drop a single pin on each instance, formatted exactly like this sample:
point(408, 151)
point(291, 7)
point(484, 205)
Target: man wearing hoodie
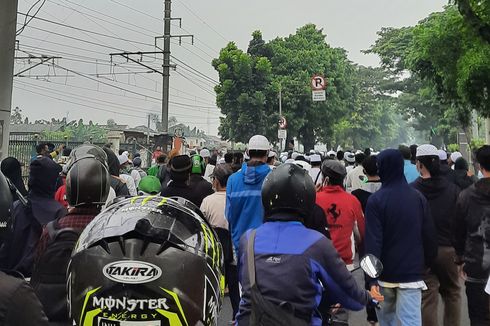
point(443, 276)
point(18, 250)
point(400, 231)
point(472, 235)
point(244, 209)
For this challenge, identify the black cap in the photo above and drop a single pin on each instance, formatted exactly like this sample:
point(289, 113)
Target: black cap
point(181, 164)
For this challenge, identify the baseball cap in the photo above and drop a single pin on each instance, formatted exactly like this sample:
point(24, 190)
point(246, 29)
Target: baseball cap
point(330, 167)
point(150, 185)
point(427, 150)
point(442, 155)
point(258, 143)
point(455, 156)
point(205, 153)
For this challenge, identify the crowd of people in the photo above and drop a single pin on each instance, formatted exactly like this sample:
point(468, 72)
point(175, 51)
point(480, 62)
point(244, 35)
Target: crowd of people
point(291, 228)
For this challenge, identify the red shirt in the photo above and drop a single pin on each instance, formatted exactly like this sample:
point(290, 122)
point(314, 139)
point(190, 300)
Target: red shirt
point(60, 195)
point(344, 219)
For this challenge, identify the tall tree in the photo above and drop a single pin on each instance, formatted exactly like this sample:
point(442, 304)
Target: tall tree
point(241, 93)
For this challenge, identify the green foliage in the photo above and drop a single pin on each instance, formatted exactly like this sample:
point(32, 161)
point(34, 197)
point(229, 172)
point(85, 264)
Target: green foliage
point(77, 131)
point(242, 93)
point(476, 143)
point(372, 120)
point(356, 111)
point(450, 55)
point(453, 148)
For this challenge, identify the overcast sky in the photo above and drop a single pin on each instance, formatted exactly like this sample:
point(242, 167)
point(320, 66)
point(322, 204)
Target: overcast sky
point(125, 91)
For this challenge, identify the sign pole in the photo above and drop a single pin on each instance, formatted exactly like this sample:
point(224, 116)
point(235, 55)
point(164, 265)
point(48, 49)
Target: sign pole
point(280, 114)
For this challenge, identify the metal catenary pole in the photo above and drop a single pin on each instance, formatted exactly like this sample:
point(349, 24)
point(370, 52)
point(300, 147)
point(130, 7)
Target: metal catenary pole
point(8, 22)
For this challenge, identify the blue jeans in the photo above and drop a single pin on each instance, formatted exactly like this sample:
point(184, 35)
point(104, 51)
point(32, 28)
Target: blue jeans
point(401, 307)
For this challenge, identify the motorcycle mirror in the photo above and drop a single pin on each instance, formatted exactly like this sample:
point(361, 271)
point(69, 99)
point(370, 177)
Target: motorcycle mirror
point(372, 266)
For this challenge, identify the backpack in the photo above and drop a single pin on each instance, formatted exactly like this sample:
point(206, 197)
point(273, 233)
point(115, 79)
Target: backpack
point(140, 171)
point(49, 276)
point(265, 312)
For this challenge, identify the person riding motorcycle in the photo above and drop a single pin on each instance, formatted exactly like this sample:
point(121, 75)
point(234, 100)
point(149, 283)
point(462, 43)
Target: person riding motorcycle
point(18, 302)
point(294, 266)
point(147, 260)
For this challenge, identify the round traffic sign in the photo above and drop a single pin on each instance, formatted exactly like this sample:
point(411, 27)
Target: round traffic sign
point(282, 123)
point(318, 83)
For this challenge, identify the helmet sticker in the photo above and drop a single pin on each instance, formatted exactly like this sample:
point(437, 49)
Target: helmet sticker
point(131, 272)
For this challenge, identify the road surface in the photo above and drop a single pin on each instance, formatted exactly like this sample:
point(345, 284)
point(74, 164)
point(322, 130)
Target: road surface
point(356, 318)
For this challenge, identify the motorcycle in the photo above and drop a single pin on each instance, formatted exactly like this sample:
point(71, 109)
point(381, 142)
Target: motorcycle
point(373, 267)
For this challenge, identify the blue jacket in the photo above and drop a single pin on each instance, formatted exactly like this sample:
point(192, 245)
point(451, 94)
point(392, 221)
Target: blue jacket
point(244, 209)
point(399, 227)
point(410, 171)
point(292, 263)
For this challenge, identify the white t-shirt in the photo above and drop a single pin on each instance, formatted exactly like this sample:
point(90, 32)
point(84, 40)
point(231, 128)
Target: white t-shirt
point(213, 208)
point(130, 184)
point(316, 175)
point(136, 175)
point(354, 179)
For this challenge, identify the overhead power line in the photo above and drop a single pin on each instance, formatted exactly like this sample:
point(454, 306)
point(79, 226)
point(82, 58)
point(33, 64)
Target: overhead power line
point(202, 20)
point(26, 20)
point(85, 30)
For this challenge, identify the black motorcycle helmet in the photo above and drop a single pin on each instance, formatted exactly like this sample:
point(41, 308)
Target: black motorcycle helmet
point(5, 204)
point(288, 188)
point(86, 150)
point(150, 260)
point(87, 183)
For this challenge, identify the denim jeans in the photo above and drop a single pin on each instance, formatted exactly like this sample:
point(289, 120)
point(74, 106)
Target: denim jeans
point(401, 307)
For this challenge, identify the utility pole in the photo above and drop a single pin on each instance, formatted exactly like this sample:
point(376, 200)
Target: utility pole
point(8, 22)
point(167, 36)
point(148, 131)
point(166, 64)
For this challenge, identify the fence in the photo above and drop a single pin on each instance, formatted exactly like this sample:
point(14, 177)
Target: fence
point(23, 148)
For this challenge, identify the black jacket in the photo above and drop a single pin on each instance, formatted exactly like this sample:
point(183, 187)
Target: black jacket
point(18, 303)
point(201, 187)
point(472, 229)
point(463, 180)
point(441, 196)
point(447, 172)
point(182, 189)
point(119, 187)
point(399, 227)
point(317, 221)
